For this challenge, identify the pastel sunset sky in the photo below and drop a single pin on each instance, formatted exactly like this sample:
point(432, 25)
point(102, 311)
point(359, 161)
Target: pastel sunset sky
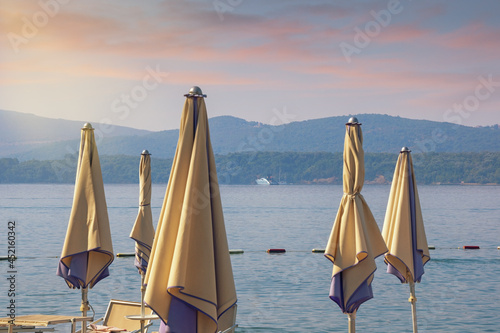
point(130, 62)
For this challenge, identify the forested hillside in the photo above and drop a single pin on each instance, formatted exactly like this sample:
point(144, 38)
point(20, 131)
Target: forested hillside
point(294, 168)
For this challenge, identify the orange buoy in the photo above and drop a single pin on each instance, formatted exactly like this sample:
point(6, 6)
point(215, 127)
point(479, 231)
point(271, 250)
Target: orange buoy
point(471, 247)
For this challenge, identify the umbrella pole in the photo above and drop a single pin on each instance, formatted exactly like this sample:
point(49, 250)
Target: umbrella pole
point(143, 289)
point(84, 308)
point(413, 301)
point(352, 322)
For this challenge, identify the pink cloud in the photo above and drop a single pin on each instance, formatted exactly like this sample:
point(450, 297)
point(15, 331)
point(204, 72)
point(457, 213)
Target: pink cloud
point(402, 33)
point(211, 78)
point(475, 37)
point(253, 50)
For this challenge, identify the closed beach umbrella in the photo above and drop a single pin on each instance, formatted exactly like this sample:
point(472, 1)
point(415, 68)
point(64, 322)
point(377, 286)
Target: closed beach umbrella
point(403, 229)
point(355, 240)
point(189, 278)
point(143, 231)
point(87, 250)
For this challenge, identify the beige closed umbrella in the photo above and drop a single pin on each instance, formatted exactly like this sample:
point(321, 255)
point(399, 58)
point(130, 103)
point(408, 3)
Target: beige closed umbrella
point(87, 251)
point(143, 231)
point(404, 231)
point(355, 240)
point(189, 278)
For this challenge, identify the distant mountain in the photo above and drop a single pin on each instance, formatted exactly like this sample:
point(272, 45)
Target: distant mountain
point(24, 134)
point(382, 133)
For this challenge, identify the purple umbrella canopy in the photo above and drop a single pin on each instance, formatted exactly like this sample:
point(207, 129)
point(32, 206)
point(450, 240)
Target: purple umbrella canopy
point(355, 240)
point(87, 250)
point(403, 230)
point(189, 279)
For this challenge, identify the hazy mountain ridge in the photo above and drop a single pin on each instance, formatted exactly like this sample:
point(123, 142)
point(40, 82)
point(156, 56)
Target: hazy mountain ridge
point(22, 139)
point(25, 133)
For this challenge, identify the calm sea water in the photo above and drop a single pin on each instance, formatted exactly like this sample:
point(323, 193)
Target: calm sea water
point(459, 292)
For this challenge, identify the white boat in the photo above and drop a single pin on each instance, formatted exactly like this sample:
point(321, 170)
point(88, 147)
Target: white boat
point(262, 181)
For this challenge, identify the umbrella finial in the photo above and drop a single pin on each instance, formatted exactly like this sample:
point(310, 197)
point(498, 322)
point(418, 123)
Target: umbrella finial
point(145, 152)
point(195, 91)
point(87, 126)
point(405, 150)
point(353, 121)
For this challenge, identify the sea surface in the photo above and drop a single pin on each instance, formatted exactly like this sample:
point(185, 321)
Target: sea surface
point(459, 292)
